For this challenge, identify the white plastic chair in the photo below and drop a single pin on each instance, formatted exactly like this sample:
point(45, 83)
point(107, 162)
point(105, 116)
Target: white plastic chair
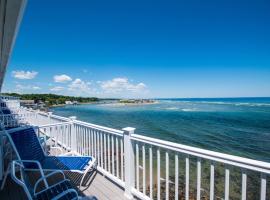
point(60, 189)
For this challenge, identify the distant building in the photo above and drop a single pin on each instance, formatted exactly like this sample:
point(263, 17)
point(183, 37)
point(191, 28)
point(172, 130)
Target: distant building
point(68, 102)
point(34, 105)
point(28, 103)
point(71, 102)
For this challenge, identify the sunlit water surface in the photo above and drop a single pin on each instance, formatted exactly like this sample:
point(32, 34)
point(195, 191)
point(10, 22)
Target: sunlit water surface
point(237, 126)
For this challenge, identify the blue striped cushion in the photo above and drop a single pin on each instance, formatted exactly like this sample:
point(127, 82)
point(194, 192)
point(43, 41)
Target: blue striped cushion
point(27, 144)
point(66, 162)
point(28, 147)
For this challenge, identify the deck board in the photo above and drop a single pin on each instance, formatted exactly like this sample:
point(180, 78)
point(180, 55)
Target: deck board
point(98, 186)
point(105, 188)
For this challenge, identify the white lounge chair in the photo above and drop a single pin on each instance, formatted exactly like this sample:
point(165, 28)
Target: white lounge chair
point(27, 147)
point(42, 190)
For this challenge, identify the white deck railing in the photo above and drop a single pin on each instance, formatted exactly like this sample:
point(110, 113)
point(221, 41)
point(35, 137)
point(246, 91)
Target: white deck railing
point(9, 102)
point(217, 163)
point(8, 98)
point(150, 168)
point(12, 120)
point(105, 144)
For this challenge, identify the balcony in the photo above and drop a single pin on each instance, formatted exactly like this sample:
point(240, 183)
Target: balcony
point(130, 165)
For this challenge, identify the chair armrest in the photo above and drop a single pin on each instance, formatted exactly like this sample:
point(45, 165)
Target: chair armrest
point(65, 193)
point(44, 179)
point(13, 171)
point(39, 167)
point(35, 162)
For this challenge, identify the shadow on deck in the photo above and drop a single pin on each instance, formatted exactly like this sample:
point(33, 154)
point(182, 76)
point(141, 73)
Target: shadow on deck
point(97, 185)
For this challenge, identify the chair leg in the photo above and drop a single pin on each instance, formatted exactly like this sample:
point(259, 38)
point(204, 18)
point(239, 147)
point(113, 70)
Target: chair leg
point(82, 179)
point(93, 166)
point(5, 177)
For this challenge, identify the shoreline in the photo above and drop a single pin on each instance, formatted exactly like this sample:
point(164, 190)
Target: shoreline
point(105, 103)
point(61, 105)
point(131, 104)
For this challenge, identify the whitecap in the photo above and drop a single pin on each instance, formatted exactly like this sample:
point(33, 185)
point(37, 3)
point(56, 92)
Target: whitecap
point(189, 109)
point(172, 108)
point(252, 104)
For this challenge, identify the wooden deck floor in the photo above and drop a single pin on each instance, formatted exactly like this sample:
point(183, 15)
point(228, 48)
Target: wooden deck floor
point(97, 185)
point(102, 188)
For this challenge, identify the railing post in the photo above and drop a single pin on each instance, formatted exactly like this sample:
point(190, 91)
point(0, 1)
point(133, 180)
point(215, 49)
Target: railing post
point(129, 162)
point(37, 118)
point(50, 117)
point(39, 121)
point(73, 134)
point(31, 116)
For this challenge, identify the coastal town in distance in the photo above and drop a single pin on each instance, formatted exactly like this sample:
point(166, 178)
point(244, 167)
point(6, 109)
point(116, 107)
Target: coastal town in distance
point(44, 102)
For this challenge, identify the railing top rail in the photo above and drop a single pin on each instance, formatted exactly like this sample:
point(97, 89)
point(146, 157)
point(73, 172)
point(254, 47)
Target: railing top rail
point(94, 126)
point(54, 124)
point(41, 113)
point(207, 154)
point(61, 118)
point(47, 114)
point(86, 124)
point(101, 128)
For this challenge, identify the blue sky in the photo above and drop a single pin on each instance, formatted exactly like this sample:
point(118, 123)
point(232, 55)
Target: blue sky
point(143, 49)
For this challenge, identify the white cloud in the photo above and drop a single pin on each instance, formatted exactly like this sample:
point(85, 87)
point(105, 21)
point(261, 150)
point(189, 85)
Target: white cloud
point(57, 88)
point(62, 78)
point(24, 74)
point(36, 88)
point(118, 85)
point(25, 88)
point(80, 86)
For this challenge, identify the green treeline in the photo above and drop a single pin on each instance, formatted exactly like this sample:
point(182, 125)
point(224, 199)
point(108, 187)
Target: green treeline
point(52, 99)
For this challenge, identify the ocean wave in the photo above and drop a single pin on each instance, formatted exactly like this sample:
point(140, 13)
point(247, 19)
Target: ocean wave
point(253, 104)
point(172, 108)
point(189, 109)
point(182, 109)
point(234, 103)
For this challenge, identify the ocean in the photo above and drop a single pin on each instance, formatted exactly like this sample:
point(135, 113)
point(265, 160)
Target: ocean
point(238, 126)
